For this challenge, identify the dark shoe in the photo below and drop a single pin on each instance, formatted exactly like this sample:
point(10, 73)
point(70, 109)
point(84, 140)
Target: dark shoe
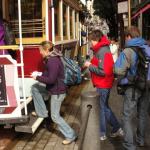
point(140, 144)
point(47, 122)
point(119, 132)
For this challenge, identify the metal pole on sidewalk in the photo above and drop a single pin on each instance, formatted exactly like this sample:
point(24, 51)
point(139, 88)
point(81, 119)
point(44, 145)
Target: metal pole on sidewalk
point(89, 138)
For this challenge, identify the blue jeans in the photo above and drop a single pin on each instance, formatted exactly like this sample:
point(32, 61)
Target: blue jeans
point(106, 114)
point(56, 101)
point(130, 106)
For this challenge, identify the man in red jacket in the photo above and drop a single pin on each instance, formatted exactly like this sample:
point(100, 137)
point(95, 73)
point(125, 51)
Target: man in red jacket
point(101, 68)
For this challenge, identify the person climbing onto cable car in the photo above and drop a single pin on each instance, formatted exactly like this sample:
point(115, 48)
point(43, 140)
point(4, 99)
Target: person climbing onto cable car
point(53, 77)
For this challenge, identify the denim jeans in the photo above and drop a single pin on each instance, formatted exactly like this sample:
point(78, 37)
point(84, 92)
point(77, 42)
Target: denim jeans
point(130, 106)
point(56, 101)
point(38, 92)
point(106, 114)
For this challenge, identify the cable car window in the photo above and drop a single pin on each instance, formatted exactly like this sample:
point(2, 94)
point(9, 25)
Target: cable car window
point(57, 24)
point(76, 25)
point(33, 23)
point(64, 21)
point(71, 23)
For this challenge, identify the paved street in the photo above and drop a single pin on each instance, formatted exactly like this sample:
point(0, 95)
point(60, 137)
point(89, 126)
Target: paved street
point(44, 140)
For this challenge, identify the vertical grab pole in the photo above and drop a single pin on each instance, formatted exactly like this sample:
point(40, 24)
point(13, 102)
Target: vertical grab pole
point(21, 54)
point(53, 22)
point(80, 33)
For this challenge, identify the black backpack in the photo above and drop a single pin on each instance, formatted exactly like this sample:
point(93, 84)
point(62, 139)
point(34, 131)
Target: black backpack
point(142, 78)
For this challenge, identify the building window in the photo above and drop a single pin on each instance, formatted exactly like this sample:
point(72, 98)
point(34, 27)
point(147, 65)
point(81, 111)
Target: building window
point(33, 20)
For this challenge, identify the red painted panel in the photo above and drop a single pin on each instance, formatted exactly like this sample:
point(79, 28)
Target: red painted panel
point(9, 110)
point(33, 61)
point(11, 96)
point(12, 100)
point(5, 61)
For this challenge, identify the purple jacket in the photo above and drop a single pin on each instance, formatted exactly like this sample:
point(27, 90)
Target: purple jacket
point(53, 76)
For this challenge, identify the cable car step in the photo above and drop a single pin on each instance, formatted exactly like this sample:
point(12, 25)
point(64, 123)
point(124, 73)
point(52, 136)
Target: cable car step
point(31, 126)
point(15, 120)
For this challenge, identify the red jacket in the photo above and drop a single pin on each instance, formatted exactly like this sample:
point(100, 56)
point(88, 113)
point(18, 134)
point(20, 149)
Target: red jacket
point(101, 67)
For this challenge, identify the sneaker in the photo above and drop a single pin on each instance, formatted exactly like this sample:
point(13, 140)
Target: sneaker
point(34, 113)
point(69, 141)
point(103, 138)
point(119, 132)
point(139, 142)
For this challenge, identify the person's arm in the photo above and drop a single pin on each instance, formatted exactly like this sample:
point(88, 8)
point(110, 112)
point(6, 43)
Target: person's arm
point(53, 69)
point(123, 62)
point(105, 66)
point(97, 69)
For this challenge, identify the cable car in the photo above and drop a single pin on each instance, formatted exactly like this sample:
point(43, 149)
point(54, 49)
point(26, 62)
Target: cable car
point(32, 22)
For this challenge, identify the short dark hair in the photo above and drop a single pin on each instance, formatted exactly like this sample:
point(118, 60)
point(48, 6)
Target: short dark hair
point(96, 35)
point(112, 38)
point(133, 32)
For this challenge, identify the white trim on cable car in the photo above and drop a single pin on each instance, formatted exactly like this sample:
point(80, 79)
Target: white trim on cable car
point(47, 20)
point(53, 22)
point(21, 54)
